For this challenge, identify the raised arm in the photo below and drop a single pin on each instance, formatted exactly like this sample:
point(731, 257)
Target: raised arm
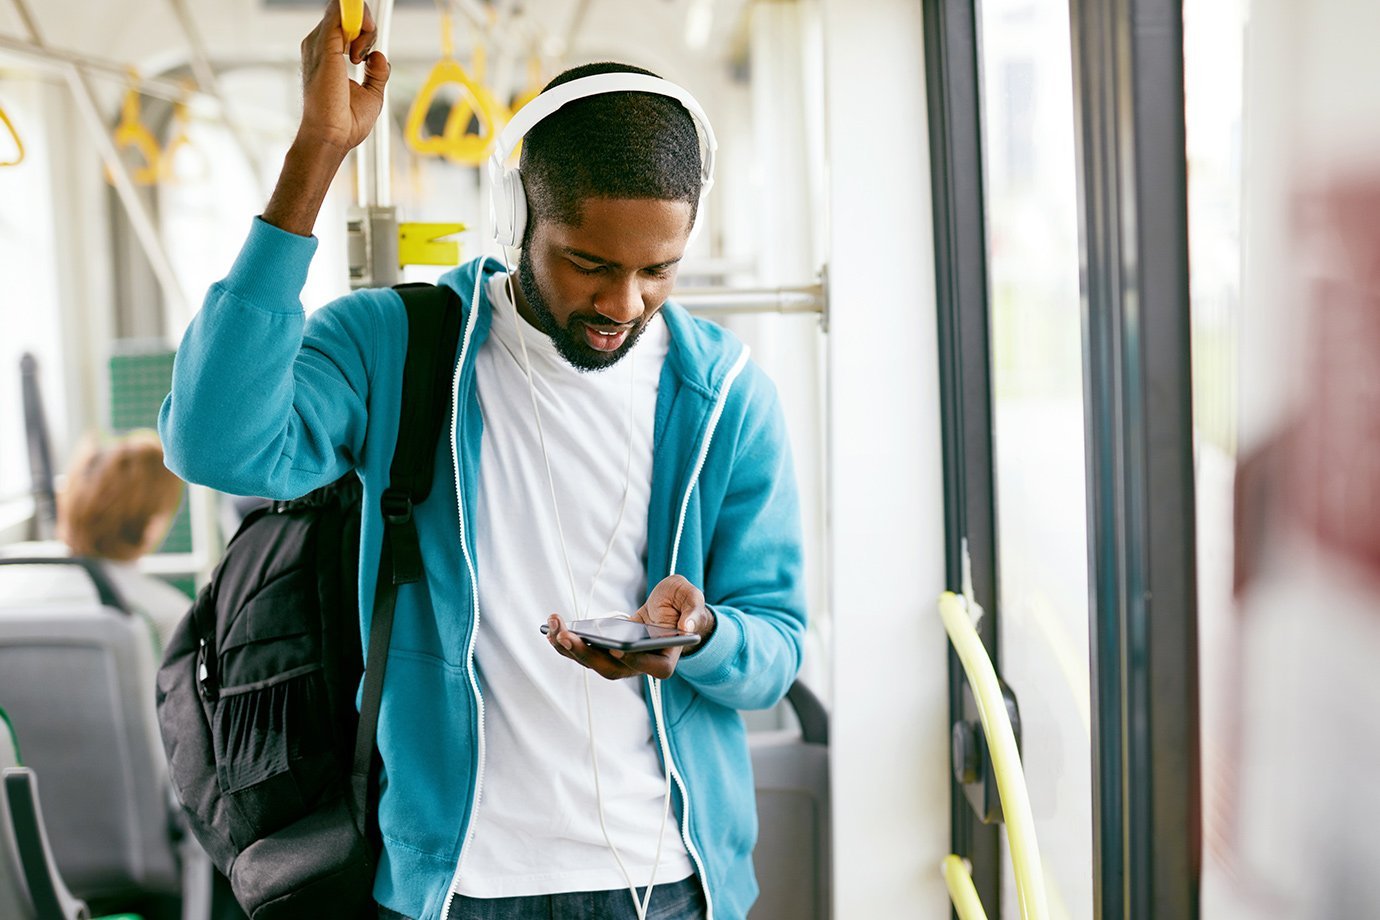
point(264, 402)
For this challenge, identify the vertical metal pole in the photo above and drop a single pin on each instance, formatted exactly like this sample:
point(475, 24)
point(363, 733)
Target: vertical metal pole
point(1133, 229)
point(373, 229)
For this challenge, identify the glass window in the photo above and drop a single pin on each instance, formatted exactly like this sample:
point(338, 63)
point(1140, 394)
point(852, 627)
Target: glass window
point(29, 308)
point(212, 194)
point(1037, 366)
point(1214, 46)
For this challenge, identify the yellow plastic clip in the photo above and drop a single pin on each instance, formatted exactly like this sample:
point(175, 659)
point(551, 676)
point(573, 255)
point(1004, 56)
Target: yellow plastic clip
point(351, 18)
point(131, 132)
point(476, 103)
point(425, 244)
point(14, 135)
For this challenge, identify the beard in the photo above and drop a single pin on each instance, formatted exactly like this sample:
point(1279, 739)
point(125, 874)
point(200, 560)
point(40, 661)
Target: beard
point(570, 339)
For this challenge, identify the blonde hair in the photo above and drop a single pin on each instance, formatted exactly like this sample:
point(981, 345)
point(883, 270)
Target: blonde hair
point(112, 492)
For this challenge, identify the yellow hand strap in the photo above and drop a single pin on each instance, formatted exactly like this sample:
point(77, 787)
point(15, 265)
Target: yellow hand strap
point(476, 103)
point(18, 144)
point(131, 132)
point(351, 18)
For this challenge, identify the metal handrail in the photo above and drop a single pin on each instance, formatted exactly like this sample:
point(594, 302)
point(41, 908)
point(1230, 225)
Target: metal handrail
point(807, 299)
point(967, 904)
point(1006, 757)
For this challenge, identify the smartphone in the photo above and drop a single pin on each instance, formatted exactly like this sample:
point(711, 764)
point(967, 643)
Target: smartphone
point(628, 635)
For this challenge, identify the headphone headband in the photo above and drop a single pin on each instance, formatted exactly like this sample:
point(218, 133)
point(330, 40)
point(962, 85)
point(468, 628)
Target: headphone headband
point(548, 102)
point(508, 200)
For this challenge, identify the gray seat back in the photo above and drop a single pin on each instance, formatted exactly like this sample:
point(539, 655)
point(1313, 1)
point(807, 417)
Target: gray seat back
point(77, 680)
point(9, 745)
point(24, 852)
point(793, 855)
point(14, 892)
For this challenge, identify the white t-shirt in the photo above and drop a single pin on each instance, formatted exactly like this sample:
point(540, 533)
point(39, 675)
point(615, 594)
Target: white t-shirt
point(536, 829)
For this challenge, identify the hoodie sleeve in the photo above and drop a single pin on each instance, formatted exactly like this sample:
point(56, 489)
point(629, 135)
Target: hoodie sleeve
point(754, 579)
point(264, 401)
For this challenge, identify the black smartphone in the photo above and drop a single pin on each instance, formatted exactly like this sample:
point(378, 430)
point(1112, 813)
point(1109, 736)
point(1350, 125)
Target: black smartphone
point(628, 635)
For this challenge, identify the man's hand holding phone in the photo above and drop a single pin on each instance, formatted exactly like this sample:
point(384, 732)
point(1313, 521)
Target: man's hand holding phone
point(674, 604)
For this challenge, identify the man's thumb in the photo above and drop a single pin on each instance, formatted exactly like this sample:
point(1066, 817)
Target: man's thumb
point(376, 71)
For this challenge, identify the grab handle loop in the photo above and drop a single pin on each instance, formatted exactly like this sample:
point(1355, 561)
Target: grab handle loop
point(475, 104)
point(131, 133)
point(14, 135)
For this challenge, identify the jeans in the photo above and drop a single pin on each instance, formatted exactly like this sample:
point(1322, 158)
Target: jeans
point(683, 900)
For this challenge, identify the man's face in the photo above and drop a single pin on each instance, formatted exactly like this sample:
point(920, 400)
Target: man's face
point(593, 288)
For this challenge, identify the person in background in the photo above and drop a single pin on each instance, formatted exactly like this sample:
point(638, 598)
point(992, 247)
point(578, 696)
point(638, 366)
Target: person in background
point(116, 506)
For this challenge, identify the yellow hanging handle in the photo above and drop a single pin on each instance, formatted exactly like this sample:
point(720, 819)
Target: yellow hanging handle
point(14, 135)
point(476, 103)
point(351, 18)
point(131, 133)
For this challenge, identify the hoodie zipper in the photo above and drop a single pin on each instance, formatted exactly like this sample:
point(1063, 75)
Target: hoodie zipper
point(657, 714)
point(474, 586)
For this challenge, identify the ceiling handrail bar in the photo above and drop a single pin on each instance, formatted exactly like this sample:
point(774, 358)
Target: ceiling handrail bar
point(799, 299)
point(962, 893)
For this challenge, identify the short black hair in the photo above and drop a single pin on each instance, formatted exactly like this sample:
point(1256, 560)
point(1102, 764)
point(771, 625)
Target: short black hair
point(613, 145)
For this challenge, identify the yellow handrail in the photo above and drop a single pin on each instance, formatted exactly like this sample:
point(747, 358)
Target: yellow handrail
point(351, 18)
point(1006, 758)
point(475, 102)
point(961, 890)
point(18, 144)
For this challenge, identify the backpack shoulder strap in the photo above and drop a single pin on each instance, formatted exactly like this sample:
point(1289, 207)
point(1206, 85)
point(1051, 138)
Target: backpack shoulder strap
point(433, 332)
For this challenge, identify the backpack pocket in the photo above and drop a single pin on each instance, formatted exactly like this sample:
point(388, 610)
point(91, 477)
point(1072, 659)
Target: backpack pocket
point(272, 725)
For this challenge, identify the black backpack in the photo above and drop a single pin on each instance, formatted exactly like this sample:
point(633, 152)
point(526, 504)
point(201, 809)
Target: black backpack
point(256, 694)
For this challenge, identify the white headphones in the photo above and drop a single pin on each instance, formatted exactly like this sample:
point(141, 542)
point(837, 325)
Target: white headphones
point(508, 201)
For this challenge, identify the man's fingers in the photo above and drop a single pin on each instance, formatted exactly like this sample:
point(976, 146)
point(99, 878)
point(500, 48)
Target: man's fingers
point(660, 664)
point(376, 71)
point(364, 41)
point(573, 647)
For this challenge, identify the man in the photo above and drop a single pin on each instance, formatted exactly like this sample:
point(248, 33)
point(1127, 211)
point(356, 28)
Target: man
point(603, 443)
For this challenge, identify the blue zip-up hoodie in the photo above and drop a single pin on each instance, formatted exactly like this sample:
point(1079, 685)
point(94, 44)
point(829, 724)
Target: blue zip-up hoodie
point(266, 402)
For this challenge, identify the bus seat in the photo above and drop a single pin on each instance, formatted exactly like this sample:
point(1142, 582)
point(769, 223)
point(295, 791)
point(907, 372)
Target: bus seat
point(77, 680)
point(793, 855)
point(30, 886)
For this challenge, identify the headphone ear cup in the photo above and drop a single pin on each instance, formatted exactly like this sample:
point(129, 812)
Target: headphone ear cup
point(518, 196)
point(698, 225)
point(509, 208)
